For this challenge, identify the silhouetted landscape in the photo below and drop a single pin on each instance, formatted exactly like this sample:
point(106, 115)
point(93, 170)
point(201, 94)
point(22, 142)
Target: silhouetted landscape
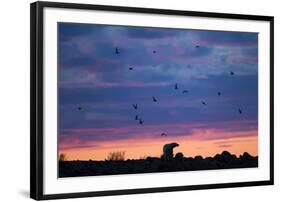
point(225, 160)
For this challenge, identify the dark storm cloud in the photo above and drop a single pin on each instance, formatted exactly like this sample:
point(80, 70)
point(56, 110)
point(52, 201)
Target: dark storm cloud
point(151, 33)
point(67, 31)
point(228, 38)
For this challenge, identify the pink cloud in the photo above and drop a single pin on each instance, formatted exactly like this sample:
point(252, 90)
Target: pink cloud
point(88, 137)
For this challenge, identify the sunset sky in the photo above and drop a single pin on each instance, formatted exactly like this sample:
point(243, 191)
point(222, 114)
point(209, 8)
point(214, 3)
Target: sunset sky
point(97, 90)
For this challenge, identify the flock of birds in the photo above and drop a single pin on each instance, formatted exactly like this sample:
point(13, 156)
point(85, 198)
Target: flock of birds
point(154, 99)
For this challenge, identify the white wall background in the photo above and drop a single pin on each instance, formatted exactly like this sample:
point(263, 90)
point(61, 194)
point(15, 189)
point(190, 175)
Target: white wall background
point(14, 100)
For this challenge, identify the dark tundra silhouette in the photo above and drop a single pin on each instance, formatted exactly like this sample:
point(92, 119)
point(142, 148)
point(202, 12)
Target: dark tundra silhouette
point(167, 163)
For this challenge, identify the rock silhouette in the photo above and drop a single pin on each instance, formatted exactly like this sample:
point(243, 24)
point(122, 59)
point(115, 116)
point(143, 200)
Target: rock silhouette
point(179, 156)
point(168, 154)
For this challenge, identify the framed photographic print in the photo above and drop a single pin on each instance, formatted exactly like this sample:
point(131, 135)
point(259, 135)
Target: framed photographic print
point(136, 100)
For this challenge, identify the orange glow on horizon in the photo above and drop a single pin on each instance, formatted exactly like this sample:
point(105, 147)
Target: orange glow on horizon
point(189, 146)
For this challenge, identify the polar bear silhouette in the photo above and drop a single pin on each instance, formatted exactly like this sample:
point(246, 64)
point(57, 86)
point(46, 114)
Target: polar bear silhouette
point(168, 154)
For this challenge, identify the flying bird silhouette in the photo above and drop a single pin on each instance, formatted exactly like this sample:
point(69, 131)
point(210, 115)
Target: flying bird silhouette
point(79, 108)
point(219, 93)
point(135, 106)
point(197, 46)
point(231, 73)
point(203, 103)
point(131, 68)
point(176, 86)
point(240, 111)
point(116, 51)
point(154, 51)
point(140, 121)
point(163, 134)
point(185, 91)
point(154, 99)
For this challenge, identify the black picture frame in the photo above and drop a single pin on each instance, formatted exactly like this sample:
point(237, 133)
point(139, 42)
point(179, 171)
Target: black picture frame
point(37, 99)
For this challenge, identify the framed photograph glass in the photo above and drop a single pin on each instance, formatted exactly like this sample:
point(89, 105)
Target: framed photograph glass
point(136, 100)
